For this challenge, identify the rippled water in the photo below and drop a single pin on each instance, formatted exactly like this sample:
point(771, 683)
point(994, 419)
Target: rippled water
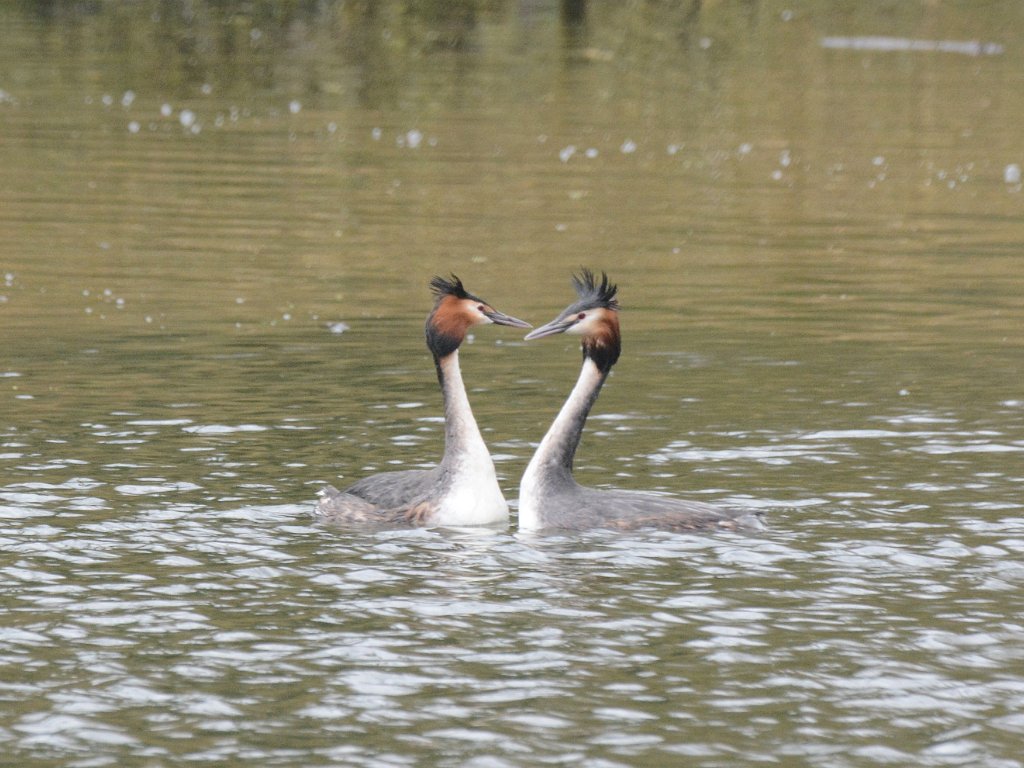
point(245, 634)
point(216, 229)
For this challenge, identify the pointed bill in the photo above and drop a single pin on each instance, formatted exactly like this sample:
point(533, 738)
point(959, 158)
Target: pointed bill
point(500, 318)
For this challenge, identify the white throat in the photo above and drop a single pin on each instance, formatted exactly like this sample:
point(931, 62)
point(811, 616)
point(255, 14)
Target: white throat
point(472, 495)
point(547, 468)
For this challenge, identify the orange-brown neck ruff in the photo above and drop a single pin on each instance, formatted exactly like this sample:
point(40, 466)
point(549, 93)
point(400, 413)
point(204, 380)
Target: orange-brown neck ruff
point(604, 345)
point(446, 326)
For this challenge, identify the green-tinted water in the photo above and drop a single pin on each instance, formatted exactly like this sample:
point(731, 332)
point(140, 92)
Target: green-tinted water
point(817, 243)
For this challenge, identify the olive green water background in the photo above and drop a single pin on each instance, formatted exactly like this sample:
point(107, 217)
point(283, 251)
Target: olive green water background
point(217, 224)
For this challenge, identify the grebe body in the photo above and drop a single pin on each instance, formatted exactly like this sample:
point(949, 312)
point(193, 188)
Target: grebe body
point(549, 496)
point(463, 489)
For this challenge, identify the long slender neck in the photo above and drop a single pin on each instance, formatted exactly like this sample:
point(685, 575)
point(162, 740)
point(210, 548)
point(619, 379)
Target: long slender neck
point(555, 454)
point(461, 433)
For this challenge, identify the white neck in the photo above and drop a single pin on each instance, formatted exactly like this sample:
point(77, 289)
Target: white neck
point(472, 496)
point(551, 465)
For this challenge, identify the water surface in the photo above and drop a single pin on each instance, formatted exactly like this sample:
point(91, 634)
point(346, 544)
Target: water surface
point(217, 225)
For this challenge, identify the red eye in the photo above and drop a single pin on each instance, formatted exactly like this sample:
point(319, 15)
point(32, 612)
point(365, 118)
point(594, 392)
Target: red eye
point(581, 315)
point(480, 308)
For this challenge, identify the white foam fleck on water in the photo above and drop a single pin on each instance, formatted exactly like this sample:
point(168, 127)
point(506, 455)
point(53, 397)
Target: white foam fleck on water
point(855, 434)
point(413, 138)
point(224, 429)
point(896, 44)
point(159, 422)
point(1011, 174)
point(148, 489)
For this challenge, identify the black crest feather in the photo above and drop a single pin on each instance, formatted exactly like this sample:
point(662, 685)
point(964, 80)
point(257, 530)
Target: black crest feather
point(594, 293)
point(445, 286)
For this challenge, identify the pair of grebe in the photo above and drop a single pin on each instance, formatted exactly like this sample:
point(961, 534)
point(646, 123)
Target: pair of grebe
point(463, 489)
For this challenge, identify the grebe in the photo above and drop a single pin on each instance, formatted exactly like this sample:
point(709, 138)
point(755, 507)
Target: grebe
point(549, 496)
point(463, 489)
